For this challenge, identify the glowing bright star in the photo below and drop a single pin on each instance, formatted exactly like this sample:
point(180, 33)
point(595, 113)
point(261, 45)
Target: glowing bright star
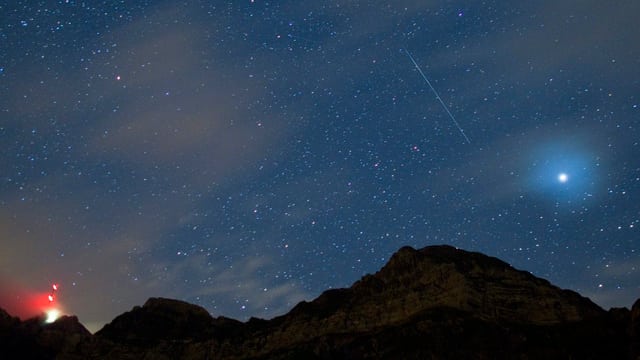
point(52, 315)
point(563, 177)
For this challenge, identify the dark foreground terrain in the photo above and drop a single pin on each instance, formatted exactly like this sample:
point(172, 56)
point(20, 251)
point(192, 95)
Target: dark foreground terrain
point(435, 303)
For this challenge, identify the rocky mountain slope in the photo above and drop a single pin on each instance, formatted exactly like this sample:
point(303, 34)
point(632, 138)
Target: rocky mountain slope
point(438, 302)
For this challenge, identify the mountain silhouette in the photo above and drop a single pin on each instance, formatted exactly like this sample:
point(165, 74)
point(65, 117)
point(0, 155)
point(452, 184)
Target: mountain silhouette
point(438, 302)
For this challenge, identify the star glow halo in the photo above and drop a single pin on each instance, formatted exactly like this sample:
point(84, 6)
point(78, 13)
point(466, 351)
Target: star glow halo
point(562, 172)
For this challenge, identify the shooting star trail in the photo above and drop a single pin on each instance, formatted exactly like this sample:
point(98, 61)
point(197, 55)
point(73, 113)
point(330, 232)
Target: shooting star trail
point(438, 96)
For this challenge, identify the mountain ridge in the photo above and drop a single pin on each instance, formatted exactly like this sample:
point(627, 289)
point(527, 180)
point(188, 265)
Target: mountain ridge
point(434, 302)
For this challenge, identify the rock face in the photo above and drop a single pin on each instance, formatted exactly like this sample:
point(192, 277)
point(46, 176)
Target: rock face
point(635, 329)
point(438, 302)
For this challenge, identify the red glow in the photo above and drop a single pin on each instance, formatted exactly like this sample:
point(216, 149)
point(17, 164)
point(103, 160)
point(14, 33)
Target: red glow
point(26, 303)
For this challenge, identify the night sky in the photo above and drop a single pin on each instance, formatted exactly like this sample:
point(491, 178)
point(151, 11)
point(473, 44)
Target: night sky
point(245, 156)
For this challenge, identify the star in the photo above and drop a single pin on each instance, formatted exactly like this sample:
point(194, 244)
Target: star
point(563, 177)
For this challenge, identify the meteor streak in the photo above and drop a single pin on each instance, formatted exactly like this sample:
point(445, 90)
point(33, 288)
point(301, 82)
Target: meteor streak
point(438, 96)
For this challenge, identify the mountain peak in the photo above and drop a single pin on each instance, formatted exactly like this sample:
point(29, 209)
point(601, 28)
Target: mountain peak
point(439, 254)
point(443, 276)
point(159, 319)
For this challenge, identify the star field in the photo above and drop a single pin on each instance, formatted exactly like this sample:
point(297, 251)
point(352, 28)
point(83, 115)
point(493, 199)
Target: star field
point(245, 156)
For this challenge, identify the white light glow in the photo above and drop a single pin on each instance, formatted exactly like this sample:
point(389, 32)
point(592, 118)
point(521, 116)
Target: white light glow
point(52, 316)
point(563, 177)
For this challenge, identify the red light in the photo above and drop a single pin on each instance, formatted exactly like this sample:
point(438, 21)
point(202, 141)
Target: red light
point(50, 298)
point(55, 287)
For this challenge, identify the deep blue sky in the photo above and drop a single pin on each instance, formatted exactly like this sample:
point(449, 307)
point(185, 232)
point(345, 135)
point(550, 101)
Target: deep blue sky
point(248, 155)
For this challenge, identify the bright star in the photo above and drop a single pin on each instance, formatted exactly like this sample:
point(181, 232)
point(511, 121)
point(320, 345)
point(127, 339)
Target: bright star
point(563, 177)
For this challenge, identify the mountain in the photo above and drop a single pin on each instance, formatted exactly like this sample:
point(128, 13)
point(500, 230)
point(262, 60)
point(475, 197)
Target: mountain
point(438, 302)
